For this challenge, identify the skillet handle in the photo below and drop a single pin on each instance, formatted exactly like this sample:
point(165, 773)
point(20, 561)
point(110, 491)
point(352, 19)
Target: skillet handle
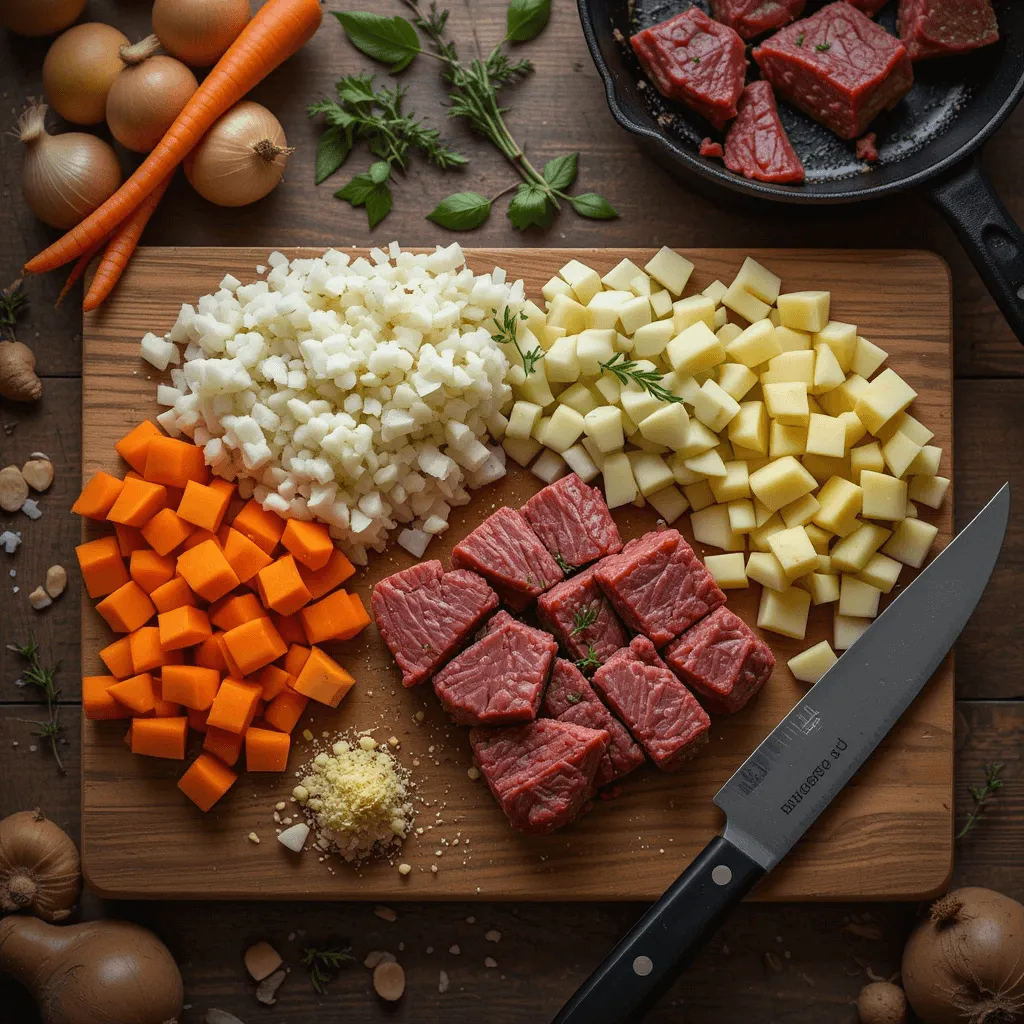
point(994, 242)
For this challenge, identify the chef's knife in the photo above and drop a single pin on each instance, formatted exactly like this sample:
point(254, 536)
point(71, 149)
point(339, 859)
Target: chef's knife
point(779, 791)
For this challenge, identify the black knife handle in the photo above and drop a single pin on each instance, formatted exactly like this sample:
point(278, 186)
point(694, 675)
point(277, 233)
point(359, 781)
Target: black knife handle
point(637, 972)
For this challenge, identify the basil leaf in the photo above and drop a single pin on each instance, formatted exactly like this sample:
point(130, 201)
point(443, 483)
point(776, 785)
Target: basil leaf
point(378, 204)
point(379, 172)
point(526, 19)
point(461, 211)
point(331, 152)
point(530, 208)
point(590, 204)
point(560, 173)
point(357, 191)
point(390, 40)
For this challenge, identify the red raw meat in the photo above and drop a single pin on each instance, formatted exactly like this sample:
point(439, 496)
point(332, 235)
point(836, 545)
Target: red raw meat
point(658, 585)
point(866, 148)
point(838, 66)
point(570, 698)
point(937, 28)
point(722, 660)
point(695, 60)
point(573, 521)
point(424, 614)
point(499, 679)
point(757, 145)
point(753, 18)
point(660, 712)
point(579, 599)
point(869, 7)
point(541, 773)
point(708, 147)
point(509, 555)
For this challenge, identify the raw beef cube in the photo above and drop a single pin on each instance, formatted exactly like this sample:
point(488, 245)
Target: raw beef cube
point(573, 521)
point(867, 147)
point(541, 773)
point(661, 713)
point(695, 60)
point(424, 614)
point(708, 147)
point(570, 698)
point(838, 66)
point(936, 28)
point(658, 585)
point(496, 622)
point(499, 679)
point(756, 145)
point(509, 555)
point(578, 613)
point(869, 7)
point(722, 660)
point(752, 18)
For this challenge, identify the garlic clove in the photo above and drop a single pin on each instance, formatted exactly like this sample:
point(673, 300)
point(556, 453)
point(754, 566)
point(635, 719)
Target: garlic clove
point(13, 489)
point(389, 981)
point(40, 599)
point(38, 474)
point(56, 580)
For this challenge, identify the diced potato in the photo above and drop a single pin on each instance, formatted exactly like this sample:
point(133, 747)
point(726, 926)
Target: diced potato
point(847, 631)
point(826, 435)
point(670, 270)
point(843, 398)
point(783, 440)
point(760, 535)
point(549, 466)
point(820, 539)
point(884, 397)
point(792, 341)
point(684, 385)
point(699, 439)
point(867, 357)
point(885, 497)
point(562, 429)
point(684, 477)
point(650, 471)
point(735, 484)
point(728, 332)
point(591, 448)
point(708, 463)
point(728, 571)
point(759, 281)
point(744, 304)
point(580, 398)
point(533, 387)
point(593, 347)
point(741, 515)
point(670, 503)
point(852, 427)
point(799, 512)
point(910, 542)
point(651, 339)
point(824, 467)
point(536, 318)
point(641, 285)
point(784, 613)
point(721, 318)
point(773, 315)
point(867, 456)
point(693, 310)
point(695, 348)
point(565, 311)
point(667, 425)
point(661, 303)
point(841, 339)
point(523, 419)
point(804, 311)
point(584, 281)
point(635, 314)
point(793, 366)
point(637, 403)
point(853, 552)
point(644, 445)
point(822, 586)
point(840, 503)
point(828, 374)
point(787, 403)
point(756, 345)
point(749, 427)
point(579, 461)
point(555, 286)
point(810, 665)
point(764, 568)
point(881, 572)
point(906, 424)
point(714, 291)
point(619, 485)
point(736, 379)
point(521, 450)
point(604, 426)
point(927, 461)
point(560, 361)
point(781, 482)
point(929, 490)
point(711, 526)
point(858, 599)
point(899, 453)
point(619, 278)
point(763, 514)
point(699, 495)
point(794, 551)
point(609, 387)
point(714, 406)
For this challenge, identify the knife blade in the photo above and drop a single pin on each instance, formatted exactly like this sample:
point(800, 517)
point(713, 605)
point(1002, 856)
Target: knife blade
point(779, 791)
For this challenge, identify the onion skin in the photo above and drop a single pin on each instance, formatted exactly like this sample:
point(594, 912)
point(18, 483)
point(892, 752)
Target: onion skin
point(39, 867)
point(965, 963)
point(40, 17)
point(79, 69)
point(199, 31)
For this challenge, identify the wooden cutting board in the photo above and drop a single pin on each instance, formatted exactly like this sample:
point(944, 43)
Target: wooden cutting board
point(888, 836)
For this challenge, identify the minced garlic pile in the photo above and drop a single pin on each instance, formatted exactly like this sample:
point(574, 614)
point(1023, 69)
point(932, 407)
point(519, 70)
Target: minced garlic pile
point(357, 799)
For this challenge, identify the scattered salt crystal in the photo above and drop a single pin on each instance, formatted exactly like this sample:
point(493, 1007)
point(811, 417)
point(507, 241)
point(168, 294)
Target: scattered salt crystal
point(493, 935)
point(489, 961)
point(294, 838)
point(454, 950)
point(404, 869)
point(473, 772)
point(442, 982)
point(31, 508)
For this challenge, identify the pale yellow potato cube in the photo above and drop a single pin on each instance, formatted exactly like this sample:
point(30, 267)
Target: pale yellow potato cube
point(824, 561)
point(604, 308)
point(841, 339)
point(641, 285)
point(781, 482)
point(840, 503)
point(670, 503)
point(799, 512)
point(637, 403)
point(667, 426)
point(721, 318)
point(784, 440)
point(714, 291)
point(764, 568)
point(749, 427)
point(555, 286)
point(759, 281)
point(604, 426)
point(697, 309)
point(736, 379)
point(810, 665)
point(714, 406)
point(533, 387)
point(651, 339)
point(826, 435)
point(619, 484)
point(593, 347)
point(843, 398)
point(926, 463)
point(684, 477)
point(884, 397)
point(620, 277)
point(741, 515)
point(523, 419)
point(735, 484)
point(899, 453)
point(793, 549)
point(858, 599)
point(853, 552)
point(761, 513)
point(910, 542)
point(699, 439)
point(881, 572)
point(744, 304)
point(787, 403)
point(661, 303)
point(929, 490)
point(549, 335)
point(728, 571)
point(846, 631)
point(699, 495)
point(755, 345)
point(728, 332)
point(670, 270)
point(828, 374)
point(867, 456)
point(584, 281)
point(760, 535)
point(906, 424)
point(591, 448)
point(634, 314)
point(867, 357)
point(711, 526)
point(784, 613)
point(885, 497)
point(804, 311)
point(521, 449)
point(822, 586)
point(911, 510)
point(682, 384)
point(792, 341)
point(695, 348)
point(609, 387)
point(549, 466)
point(578, 459)
point(644, 445)
point(813, 406)
point(560, 361)
point(650, 471)
point(795, 366)
point(580, 398)
point(561, 430)
point(824, 467)
point(565, 311)
point(773, 315)
point(852, 427)
point(707, 464)
point(820, 539)
point(535, 317)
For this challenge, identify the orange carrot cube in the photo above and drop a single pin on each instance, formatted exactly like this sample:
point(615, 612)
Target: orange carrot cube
point(97, 700)
point(360, 618)
point(244, 556)
point(191, 685)
point(260, 526)
point(283, 589)
point(273, 680)
point(266, 750)
point(254, 644)
point(173, 594)
point(233, 670)
point(129, 539)
point(234, 609)
point(295, 659)
point(198, 537)
point(184, 626)
point(223, 744)
point(206, 781)
point(208, 654)
point(309, 542)
point(174, 463)
point(134, 446)
point(103, 568)
point(324, 580)
point(118, 658)
point(206, 570)
point(323, 679)
point(197, 719)
point(285, 710)
point(234, 706)
point(127, 608)
point(203, 506)
point(98, 496)
point(218, 483)
point(137, 692)
point(150, 570)
point(160, 737)
point(290, 627)
point(329, 619)
point(137, 503)
point(146, 652)
point(166, 530)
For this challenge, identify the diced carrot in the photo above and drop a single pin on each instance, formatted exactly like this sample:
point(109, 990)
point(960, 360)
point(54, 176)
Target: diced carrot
point(285, 710)
point(98, 496)
point(223, 744)
point(137, 693)
point(197, 719)
point(254, 644)
point(128, 736)
point(290, 627)
point(222, 534)
point(266, 750)
point(295, 659)
point(129, 539)
point(127, 608)
point(206, 571)
point(234, 609)
point(208, 654)
point(198, 537)
point(257, 712)
point(243, 555)
point(97, 700)
point(218, 483)
point(166, 530)
point(173, 594)
point(147, 654)
point(282, 585)
point(333, 574)
point(323, 679)
point(103, 568)
point(184, 626)
point(191, 685)
point(118, 658)
point(160, 737)
point(137, 503)
point(273, 680)
point(174, 496)
point(150, 570)
point(174, 463)
point(360, 618)
point(206, 781)
point(309, 542)
point(234, 706)
point(260, 526)
point(203, 506)
point(165, 709)
point(233, 670)
point(134, 446)
point(330, 619)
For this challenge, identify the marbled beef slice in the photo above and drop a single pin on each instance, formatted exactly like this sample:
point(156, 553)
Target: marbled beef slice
point(578, 613)
point(938, 28)
point(757, 145)
point(752, 18)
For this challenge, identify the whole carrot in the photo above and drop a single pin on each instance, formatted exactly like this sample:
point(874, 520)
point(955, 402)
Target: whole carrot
point(120, 248)
point(279, 29)
point(77, 271)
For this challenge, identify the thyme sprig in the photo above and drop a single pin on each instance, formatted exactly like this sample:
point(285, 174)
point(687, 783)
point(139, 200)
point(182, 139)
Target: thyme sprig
point(13, 302)
point(51, 729)
point(628, 371)
point(590, 661)
point(583, 619)
point(324, 964)
point(563, 564)
point(981, 796)
point(507, 334)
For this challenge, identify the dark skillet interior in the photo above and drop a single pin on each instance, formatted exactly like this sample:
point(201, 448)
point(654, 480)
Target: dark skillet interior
point(955, 104)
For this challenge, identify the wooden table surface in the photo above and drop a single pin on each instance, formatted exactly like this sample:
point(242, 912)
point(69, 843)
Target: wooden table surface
point(796, 963)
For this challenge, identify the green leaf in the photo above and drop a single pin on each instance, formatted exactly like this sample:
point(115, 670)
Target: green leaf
point(526, 19)
point(530, 207)
point(379, 172)
point(357, 190)
point(390, 40)
point(560, 173)
point(462, 211)
point(590, 204)
point(378, 204)
point(331, 152)
point(356, 88)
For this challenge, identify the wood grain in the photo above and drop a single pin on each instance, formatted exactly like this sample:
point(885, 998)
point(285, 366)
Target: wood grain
point(887, 837)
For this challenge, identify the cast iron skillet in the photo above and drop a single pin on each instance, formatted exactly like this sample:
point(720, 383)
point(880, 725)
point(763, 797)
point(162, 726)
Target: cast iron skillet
point(930, 141)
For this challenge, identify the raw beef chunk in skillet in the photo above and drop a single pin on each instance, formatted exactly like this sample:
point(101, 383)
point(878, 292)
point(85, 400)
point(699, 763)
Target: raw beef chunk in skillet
point(541, 773)
point(756, 145)
point(499, 679)
point(578, 613)
point(508, 554)
point(695, 60)
point(658, 585)
point(838, 66)
point(936, 28)
point(753, 18)
point(424, 614)
point(661, 713)
point(722, 660)
point(570, 698)
point(573, 521)
point(710, 148)
point(869, 7)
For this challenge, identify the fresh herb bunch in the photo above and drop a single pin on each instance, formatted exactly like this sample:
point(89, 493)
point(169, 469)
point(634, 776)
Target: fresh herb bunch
point(590, 661)
point(13, 302)
point(981, 795)
point(324, 964)
point(51, 729)
point(473, 88)
point(628, 371)
point(507, 331)
point(583, 619)
point(374, 116)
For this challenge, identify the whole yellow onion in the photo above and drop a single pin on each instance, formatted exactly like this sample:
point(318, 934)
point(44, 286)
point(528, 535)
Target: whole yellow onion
point(79, 69)
point(199, 31)
point(40, 17)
